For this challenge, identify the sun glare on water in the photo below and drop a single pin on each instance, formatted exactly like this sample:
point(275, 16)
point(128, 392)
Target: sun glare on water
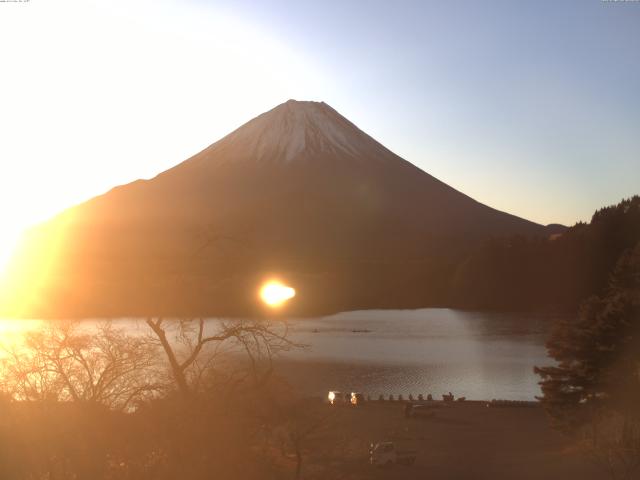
point(275, 293)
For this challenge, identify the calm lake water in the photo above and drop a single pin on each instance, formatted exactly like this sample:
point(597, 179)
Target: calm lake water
point(477, 355)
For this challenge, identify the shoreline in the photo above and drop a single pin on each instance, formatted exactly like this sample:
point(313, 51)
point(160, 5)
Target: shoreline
point(314, 378)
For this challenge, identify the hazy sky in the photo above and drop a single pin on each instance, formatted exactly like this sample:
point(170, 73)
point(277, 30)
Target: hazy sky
point(532, 107)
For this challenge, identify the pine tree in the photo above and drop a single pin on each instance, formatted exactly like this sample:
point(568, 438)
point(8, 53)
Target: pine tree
point(594, 390)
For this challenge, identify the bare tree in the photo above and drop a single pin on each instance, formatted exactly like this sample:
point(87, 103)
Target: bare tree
point(190, 349)
point(62, 361)
point(297, 424)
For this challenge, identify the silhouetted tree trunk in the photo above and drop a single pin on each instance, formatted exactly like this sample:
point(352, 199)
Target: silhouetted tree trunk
point(258, 338)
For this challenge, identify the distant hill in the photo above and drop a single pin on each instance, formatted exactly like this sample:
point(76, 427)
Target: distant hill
point(520, 273)
point(298, 192)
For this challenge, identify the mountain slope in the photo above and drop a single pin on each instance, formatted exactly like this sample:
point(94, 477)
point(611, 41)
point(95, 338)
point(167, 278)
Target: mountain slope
point(299, 192)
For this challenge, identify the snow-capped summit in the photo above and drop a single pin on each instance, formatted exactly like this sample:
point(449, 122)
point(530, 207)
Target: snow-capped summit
point(296, 129)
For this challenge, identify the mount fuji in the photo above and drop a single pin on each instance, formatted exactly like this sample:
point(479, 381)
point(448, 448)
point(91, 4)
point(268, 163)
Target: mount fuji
point(298, 193)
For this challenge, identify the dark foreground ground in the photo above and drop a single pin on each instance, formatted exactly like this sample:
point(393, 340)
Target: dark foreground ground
point(247, 437)
point(464, 441)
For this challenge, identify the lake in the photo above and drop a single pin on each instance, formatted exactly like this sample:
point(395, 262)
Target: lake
point(477, 355)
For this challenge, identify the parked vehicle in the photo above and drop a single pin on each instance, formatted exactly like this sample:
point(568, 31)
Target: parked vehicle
point(357, 399)
point(386, 454)
point(337, 398)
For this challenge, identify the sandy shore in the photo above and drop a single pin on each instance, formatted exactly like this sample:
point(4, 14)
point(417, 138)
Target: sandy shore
point(463, 441)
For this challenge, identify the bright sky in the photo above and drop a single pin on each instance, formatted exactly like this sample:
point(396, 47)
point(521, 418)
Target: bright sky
point(530, 107)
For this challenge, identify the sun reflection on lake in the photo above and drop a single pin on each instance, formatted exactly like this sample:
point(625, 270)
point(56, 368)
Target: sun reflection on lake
point(275, 293)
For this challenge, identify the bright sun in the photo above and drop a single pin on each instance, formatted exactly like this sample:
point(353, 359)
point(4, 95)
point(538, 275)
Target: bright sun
point(275, 293)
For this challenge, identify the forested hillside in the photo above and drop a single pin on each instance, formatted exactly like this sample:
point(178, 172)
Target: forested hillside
point(523, 273)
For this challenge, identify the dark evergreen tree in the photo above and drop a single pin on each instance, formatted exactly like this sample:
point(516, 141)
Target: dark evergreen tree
point(554, 273)
point(594, 390)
